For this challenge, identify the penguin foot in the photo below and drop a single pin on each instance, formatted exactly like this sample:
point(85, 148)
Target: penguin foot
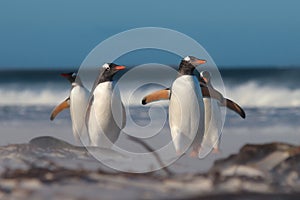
point(216, 151)
point(194, 154)
point(195, 151)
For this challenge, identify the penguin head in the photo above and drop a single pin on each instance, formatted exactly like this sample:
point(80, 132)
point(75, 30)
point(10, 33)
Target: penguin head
point(70, 76)
point(188, 64)
point(108, 71)
point(205, 76)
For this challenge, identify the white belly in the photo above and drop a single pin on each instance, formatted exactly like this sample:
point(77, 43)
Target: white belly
point(106, 116)
point(78, 103)
point(186, 115)
point(213, 124)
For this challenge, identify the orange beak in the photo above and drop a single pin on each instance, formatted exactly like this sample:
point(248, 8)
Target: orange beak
point(200, 62)
point(120, 67)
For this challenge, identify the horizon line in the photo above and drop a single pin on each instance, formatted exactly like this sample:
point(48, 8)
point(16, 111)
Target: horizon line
point(224, 67)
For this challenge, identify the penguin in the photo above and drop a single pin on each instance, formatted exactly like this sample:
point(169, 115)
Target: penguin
point(105, 116)
point(186, 107)
point(77, 102)
point(212, 99)
point(213, 120)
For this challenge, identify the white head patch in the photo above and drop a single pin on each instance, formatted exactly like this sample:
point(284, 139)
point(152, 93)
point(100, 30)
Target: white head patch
point(106, 66)
point(187, 59)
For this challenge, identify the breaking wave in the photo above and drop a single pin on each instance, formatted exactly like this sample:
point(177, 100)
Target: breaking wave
point(253, 94)
point(249, 94)
point(26, 97)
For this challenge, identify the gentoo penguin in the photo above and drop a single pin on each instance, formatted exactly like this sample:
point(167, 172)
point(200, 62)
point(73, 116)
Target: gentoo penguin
point(213, 120)
point(77, 102)
point(105, 116)
point(208, 92)
point(186, 108)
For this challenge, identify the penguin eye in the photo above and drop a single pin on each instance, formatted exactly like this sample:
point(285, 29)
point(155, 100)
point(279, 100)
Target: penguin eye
point(74, 75)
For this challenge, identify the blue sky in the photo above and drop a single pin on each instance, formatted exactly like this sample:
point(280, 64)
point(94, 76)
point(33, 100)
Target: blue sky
point(59, 33)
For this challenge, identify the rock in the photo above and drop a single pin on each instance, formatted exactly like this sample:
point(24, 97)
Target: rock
point(47, 167)
point(267, 166)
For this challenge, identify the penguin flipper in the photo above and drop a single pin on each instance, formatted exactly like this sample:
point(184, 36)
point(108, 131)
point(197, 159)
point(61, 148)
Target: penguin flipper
point(156, 96)
point(234, 106)
point(124, 116)
point(211, 93)
point(88, 111)
point(63, 105)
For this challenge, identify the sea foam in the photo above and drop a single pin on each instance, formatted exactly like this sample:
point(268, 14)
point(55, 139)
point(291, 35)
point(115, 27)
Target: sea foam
point(249, 94)
point(28, 97)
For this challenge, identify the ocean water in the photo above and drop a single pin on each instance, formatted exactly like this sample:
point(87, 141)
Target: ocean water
point(270, 97)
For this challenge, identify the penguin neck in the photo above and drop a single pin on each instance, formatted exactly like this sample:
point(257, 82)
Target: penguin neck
point(104, 79)
point(180, 74)
point(77, 82)
point(186, 68)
